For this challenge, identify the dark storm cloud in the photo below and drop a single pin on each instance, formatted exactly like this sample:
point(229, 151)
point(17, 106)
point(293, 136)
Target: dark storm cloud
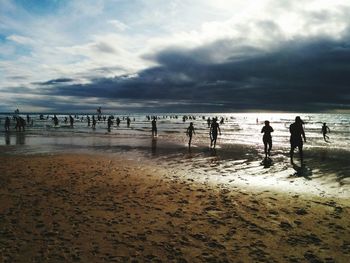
point(303, 75)
point(54, 81)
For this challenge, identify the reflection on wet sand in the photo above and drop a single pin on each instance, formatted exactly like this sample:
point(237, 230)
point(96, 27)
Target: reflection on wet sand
point(20, 138)
point(154, 146)
point(7, 138)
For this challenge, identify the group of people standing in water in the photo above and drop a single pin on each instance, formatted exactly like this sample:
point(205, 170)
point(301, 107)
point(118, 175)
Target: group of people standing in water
point(296, 129)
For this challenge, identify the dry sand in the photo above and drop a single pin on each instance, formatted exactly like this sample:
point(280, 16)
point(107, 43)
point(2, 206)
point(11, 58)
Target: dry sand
point(93, 208)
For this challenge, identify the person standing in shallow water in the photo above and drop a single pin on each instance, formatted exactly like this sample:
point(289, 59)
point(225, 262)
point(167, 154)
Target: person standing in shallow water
point(325, 130)
point(267, 138)
point(297, 135)
point(214, 129)
point(190, 131)
point(154, 127)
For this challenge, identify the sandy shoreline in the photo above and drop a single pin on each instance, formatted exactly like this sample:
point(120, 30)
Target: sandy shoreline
point(98, 208)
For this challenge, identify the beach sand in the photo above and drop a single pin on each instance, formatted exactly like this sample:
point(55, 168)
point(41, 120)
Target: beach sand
point(100, 208)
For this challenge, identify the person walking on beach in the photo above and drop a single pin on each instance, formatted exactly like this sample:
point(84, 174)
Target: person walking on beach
point(7, 124)
point(190, 131)
point(88, 120)
point(325, 130)
point(267, 139)
point(214, 129)
point(154, 127)
point(297, 135)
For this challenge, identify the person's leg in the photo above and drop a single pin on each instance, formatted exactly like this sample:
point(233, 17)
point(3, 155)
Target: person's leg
point(292, 147)
point(265, 148)
point(300, 147)
point(270, 147)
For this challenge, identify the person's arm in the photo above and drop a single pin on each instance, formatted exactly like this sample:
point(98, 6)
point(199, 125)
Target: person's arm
point(329, 130)
point(303, 134)
point(219, 129)
point(272, 129)
point(262, 130)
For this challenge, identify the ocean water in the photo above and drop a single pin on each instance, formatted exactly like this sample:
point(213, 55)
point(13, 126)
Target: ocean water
point(240, 128)
point(239, 156)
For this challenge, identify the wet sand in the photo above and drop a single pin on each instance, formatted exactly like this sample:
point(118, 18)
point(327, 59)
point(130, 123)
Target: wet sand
point(101, 208)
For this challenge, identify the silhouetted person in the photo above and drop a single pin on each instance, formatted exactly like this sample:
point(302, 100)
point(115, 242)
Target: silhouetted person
point(118, 121)
point(154, 127)
point(93, 122)
point(325, 130)
point(65, 120)
point(222, 120)
point(190, 131)
point(71, 120)
point(7, 124)
point(88, 120)
point(55, 120)
point(208, 122)
point(21, 123)
point(267, 139)
point(214, 129)
point(128, 121)
point(109, 123)
point(28, 119)
point(297, 135)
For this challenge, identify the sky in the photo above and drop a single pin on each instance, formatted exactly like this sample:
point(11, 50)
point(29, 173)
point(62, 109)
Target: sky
point(174, 55)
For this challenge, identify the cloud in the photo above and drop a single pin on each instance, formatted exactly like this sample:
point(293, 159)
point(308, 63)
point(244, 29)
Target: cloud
point(118, 25)
point(21, 40)
point(55, 81)
point(226, 55)
point(308, 75)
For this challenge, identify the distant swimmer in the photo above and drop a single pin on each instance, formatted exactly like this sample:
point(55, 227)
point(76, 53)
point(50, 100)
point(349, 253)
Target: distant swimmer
point(7, 124)
point(267, 139)
point(297, 135)
point(190, 131)
point(55, 120)
point(325, 130)
point(214, 129)
point(154, 127)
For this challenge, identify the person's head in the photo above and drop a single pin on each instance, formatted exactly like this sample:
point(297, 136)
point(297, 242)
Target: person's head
point(298, 120)
point(324, 124)
point(267, 123)
point(191, 123)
